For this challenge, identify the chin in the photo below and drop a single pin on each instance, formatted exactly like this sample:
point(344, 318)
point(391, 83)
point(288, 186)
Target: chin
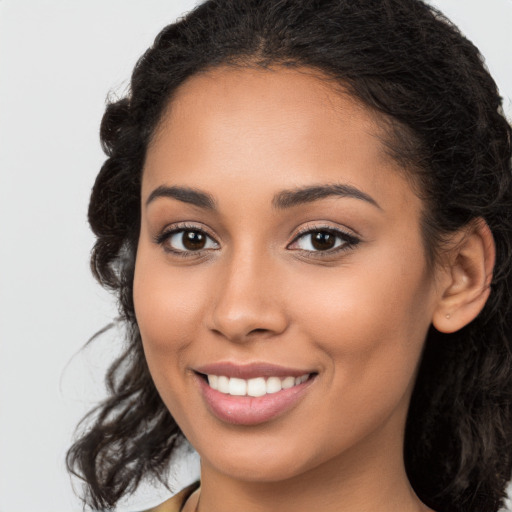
point(261, 458)
point(261, 470)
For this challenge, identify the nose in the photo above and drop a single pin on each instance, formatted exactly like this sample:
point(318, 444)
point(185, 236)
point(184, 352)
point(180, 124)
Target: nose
point(248, 301)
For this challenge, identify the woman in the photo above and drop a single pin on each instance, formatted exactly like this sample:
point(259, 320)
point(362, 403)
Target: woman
point(306, 215)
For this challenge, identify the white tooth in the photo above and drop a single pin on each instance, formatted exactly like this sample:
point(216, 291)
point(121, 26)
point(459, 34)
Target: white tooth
point(223, 384)
point(213, 381)
point(256, 387)
point(304, 378)
point(237, 387)
point(273, 384)
point(297, 380)
point(288, 382)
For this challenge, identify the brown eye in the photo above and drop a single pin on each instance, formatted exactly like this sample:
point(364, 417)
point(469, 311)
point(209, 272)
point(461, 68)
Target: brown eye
point(193, 240)
point(323, 240)
point(187, 240)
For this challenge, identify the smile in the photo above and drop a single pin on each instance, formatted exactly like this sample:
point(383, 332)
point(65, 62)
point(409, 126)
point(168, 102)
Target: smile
point(255, 387)
point(252, 394)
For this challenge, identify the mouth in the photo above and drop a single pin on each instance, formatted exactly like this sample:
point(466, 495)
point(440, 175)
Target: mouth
point(255, 387)
point(252, 394)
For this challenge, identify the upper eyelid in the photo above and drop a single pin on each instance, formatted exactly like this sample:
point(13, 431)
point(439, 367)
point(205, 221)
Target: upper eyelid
point(188, 226)
point(311, 228)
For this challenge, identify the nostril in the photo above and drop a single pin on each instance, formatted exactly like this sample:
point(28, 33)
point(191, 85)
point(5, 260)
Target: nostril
point(258, 331)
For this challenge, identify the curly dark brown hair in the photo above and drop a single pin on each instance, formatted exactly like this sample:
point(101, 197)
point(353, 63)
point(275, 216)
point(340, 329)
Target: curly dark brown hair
point(405, 61)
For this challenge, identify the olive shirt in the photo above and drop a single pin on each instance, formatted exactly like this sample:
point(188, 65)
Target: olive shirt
point(176, 503)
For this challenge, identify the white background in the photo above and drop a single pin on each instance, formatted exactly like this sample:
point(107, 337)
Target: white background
point(58, 61)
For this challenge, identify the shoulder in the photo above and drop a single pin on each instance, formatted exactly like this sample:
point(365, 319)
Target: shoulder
point(175, 503)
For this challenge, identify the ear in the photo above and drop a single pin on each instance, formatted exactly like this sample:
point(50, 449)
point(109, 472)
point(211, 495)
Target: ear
point(468, 274)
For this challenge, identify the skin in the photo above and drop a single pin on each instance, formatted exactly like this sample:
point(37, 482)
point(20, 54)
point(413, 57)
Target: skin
point(358, 317)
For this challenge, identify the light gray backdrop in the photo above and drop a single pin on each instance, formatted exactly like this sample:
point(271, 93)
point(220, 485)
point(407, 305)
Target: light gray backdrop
point(58, 60)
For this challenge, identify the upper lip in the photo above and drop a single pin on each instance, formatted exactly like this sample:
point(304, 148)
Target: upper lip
point(249, 371)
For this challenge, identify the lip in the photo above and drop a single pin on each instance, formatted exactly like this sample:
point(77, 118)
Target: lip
point(251, 370)
point(247, 410)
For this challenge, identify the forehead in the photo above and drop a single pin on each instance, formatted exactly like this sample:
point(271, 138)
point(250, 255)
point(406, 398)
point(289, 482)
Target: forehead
point(284, 127)
point(283, 100)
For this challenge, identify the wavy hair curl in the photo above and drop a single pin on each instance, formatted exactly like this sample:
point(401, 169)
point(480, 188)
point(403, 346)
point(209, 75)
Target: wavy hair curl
point(404, 60)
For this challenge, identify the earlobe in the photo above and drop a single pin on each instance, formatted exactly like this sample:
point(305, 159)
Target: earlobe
point(468, 278)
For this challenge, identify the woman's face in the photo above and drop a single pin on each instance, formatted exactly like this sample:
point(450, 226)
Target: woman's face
point(280, 253)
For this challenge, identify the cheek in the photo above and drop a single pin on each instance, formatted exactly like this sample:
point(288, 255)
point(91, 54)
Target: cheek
point(167, 310)
point(168, 306)
point(371, 346)
point(370, 321)
point(167, 300)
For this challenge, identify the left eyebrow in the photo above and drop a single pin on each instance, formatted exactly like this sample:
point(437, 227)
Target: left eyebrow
point(295, 197)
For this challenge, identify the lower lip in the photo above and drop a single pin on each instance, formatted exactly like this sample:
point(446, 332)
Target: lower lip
point(248, 410)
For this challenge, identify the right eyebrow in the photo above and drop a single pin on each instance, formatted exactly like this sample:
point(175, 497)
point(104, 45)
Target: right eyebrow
point(183, 194)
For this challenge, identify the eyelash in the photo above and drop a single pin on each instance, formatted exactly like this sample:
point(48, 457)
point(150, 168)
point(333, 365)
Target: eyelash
point(348, 241)
point(166, 235)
